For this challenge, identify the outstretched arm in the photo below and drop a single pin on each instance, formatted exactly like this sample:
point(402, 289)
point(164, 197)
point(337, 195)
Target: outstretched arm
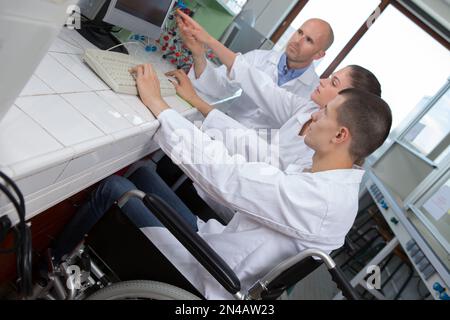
point(149, 88)
point(185, 90)
point(192, 29)
point(210, 80)
point(197, 48)
point(229, 179)
point(249, 187)
point(237, 138)
point(277, 102)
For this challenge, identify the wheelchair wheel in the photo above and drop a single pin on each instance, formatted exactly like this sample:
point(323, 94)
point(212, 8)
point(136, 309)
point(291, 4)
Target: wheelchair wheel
point(142, 289)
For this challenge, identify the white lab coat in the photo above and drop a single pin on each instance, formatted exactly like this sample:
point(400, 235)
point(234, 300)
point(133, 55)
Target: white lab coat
point(213, 83)
point(278, 213)
point(283, 148)
point(287, 110)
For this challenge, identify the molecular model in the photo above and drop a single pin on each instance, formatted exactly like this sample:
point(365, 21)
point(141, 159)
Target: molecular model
point(171, 44)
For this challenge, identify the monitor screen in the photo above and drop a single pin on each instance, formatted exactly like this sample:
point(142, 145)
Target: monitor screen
point(144, 17)
point(151, 11)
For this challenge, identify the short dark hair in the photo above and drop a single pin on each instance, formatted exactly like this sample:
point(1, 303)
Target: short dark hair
point(364, 79)
point(368, 118)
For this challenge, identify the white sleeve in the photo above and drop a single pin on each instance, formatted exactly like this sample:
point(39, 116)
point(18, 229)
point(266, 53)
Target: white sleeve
point(237, 138)
point(253, 188)
point(214, 81)
point(277, 102)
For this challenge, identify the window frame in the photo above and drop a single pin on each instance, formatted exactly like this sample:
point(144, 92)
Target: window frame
point(441, 167)
point(402, 8)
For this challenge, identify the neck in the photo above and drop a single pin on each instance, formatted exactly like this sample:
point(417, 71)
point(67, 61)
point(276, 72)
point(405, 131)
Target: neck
point(331, 161)
point(296, 64)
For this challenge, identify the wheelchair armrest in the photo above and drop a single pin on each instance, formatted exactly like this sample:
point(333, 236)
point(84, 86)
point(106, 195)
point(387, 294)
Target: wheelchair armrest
point(289, 277)
point(303, 264)
point(204, 254)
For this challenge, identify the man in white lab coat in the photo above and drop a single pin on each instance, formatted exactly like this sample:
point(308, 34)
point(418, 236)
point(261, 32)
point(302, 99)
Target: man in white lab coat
point(292, 70)
point(278, 213)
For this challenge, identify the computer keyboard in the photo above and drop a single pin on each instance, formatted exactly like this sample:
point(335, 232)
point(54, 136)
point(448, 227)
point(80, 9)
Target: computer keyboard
point(113, 68)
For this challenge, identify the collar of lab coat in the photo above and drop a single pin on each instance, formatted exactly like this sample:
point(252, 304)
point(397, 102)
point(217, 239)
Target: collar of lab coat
point(353, 175)
point(305, 114)
point(308, 77)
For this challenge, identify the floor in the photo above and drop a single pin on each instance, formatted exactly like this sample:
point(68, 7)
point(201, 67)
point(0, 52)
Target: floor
point(319, 286)
point(398, 279)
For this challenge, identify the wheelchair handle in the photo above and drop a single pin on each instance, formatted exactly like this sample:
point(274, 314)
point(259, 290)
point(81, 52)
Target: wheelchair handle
point(347, 290)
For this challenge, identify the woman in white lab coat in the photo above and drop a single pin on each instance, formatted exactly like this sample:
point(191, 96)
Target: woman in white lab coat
point(214, 86)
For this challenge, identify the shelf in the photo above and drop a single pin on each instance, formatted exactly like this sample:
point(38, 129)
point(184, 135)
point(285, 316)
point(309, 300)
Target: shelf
point(234, 11)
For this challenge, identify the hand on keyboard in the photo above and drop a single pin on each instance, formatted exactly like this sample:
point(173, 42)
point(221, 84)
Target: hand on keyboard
point(183, 85)
point(113, 68)
point(149, 89)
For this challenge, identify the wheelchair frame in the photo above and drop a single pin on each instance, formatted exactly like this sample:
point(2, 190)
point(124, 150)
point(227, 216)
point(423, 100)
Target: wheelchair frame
point(271, 286)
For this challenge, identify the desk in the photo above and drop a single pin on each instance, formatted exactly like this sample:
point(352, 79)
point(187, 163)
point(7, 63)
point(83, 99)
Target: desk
point(68, 130)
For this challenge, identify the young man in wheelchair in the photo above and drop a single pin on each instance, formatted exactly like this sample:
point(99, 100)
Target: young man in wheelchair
point(278, 213)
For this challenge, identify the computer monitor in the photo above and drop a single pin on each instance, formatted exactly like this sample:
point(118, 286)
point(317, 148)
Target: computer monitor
point(145, 17)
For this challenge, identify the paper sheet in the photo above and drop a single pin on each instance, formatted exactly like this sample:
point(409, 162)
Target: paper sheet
point(414, 132)
point(439, 204)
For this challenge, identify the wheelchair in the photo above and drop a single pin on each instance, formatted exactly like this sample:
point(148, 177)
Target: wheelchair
point(108, 267)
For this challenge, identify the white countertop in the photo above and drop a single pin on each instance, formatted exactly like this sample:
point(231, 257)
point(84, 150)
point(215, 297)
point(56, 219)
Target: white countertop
point(68, 130)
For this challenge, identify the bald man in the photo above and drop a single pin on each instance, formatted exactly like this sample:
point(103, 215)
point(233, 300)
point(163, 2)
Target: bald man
point(292, 70)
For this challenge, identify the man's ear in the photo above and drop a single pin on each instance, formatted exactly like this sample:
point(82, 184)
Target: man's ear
point(343, 135)
point(319, 55)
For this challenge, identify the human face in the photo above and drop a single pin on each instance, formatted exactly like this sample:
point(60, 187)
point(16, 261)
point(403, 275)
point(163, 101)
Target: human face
point(329, 88)
point(308, 43)
point(324, 129)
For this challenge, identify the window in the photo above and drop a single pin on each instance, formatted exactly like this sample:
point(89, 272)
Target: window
point(337, 14)
point(433, 129)
point(433, 209)
point(409, 63)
